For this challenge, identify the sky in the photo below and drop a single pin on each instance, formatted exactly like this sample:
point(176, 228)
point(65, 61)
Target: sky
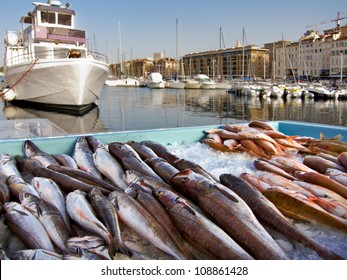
point(150, 26)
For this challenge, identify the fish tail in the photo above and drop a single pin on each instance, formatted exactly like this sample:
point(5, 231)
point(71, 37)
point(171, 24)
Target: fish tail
point(124, 249)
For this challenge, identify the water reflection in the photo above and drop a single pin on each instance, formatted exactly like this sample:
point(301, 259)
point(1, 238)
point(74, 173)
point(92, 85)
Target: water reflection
point(122, 109)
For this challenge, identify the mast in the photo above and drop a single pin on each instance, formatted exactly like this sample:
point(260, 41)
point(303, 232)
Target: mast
point(177, 46)
point(120, 48)
point(243, 53)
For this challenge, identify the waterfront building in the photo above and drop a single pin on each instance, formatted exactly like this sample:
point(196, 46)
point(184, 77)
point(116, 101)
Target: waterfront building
point(239, 62)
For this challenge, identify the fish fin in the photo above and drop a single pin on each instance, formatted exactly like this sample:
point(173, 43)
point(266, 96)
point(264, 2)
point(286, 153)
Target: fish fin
point(124, 249)
point(20, 212)
point(188, 208)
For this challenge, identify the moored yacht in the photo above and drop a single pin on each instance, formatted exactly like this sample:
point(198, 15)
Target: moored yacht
point(48, 62)
point(155, 80)
point(205, 81)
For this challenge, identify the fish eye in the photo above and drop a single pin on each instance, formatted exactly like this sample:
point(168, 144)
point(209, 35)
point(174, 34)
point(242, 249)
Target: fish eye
point(185, 179)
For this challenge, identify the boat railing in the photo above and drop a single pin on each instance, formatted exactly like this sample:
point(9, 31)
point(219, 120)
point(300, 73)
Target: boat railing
point(56, 54)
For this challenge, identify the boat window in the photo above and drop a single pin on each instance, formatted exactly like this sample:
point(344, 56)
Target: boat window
point(47, 17)
point(64, 19)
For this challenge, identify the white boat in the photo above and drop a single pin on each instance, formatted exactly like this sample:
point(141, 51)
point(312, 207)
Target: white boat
point(126, 82)
point(191, 84)
point(155, 80)
point(206, 82)
point(48, 62)
point(177, 84)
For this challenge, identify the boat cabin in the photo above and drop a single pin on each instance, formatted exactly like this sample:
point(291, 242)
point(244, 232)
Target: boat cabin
point(48, 32)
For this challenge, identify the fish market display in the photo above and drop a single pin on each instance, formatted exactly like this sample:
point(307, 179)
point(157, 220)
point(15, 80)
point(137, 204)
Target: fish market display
point(242, 192)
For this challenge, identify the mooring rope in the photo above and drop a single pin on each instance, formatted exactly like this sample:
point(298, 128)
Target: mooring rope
point(21, 78)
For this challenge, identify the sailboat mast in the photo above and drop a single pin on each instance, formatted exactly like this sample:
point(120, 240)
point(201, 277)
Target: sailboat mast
point(177, 46)
point(120, 48)
point(243, 53)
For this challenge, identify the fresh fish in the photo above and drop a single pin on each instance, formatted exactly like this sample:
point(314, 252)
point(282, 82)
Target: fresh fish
point(293, 164)
point(329, 157)
point(230, 213)
point(162, 168)
point(107, 214)
point(66, 183)
point(230, 143)
point(267, 212)
point(257, 183)
point(132, 176)
point(298, 206)
point(82, 213)
point(26, 166)
point(4, 191)
point(320, 191)
point(144, 224)
point(33, 151)
point(291, 143)
point(334, 207)
point(263, 165)
point(24, 224)
point(269, 148)
point(129, 159)
point(50, 218)
point(260, 124)
point(83, 156)
point(17, 186)
point(95, 143)
point(84, 176)
point(321, 165)
point(182, 164)
point(8, 166)
point(36, 254)
point(89, 247)
point(219, 146)
point(342, 158)
point(198, 230)
point(337, 175)
point(65, 160)
point(148, 201)
point(109, 167)
point(253, 147)
point(156, 147)
point(49, 191)
point(142, 150)
point(322, 180)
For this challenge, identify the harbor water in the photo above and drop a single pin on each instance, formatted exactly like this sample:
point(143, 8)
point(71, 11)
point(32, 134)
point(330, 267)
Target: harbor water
point(136, 108)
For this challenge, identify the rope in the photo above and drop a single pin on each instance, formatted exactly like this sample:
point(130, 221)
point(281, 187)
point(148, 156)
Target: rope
point(21, 78)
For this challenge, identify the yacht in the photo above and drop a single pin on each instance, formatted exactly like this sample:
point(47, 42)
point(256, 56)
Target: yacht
point(205, 81)
point(123, 82)
point(48, 62)
point(155, 80)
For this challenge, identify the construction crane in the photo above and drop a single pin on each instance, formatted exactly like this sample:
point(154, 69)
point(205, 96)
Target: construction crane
point(337, 20)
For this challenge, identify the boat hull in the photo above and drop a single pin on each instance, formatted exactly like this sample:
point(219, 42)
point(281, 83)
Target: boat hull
point(65, 82)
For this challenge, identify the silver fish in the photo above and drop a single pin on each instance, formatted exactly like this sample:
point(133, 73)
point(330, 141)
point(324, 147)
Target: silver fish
point(89, 247)
point(50, 218)
point(36, 254)
point(108, 215)
point(51, 192)
point(83, 156)
point(8, 166)
point(65, 160)
point(4, 191)
point(82, 213)
point(17, 186)
point(24, 224)
point(135, 216)
point(33, 151)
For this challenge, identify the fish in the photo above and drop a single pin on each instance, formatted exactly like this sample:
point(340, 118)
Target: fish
point(26, 167)
point(17, 186)
point(219, 146)
point(36, 254)
point(267, 212)
point(230, 213)
point(81, 212)
point(257, 183)
point(334, 207)
point(153, 206)
point(269, 148)
point(34, 152)
point(182, 164)
point(329, 157)
point(161, 167)
point(23, 224)
point(260, 124)
point(263, 165)
point(66, 183)
point(83, 156)
point(143, 151)
point(291, 143)
point(342, 158)
point(65, 160)
point(252, 146)
point(129, 159)
point(321, 165)
point(156, 147)
point(322, 180)
point(199, 231)
point(135, 216)
point(320, 191)
point(49, 191)
point(50, 218)
point(8, 166)
point(107, 214)
point(84, 176)
point(337, 175)
point(88, 247)
point(297, 206)
point(4, 191)
point(109, 167)
point(293, 164)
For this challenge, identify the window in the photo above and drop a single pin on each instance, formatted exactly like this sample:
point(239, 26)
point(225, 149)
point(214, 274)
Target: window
point(64, 19)
point(48, 17)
